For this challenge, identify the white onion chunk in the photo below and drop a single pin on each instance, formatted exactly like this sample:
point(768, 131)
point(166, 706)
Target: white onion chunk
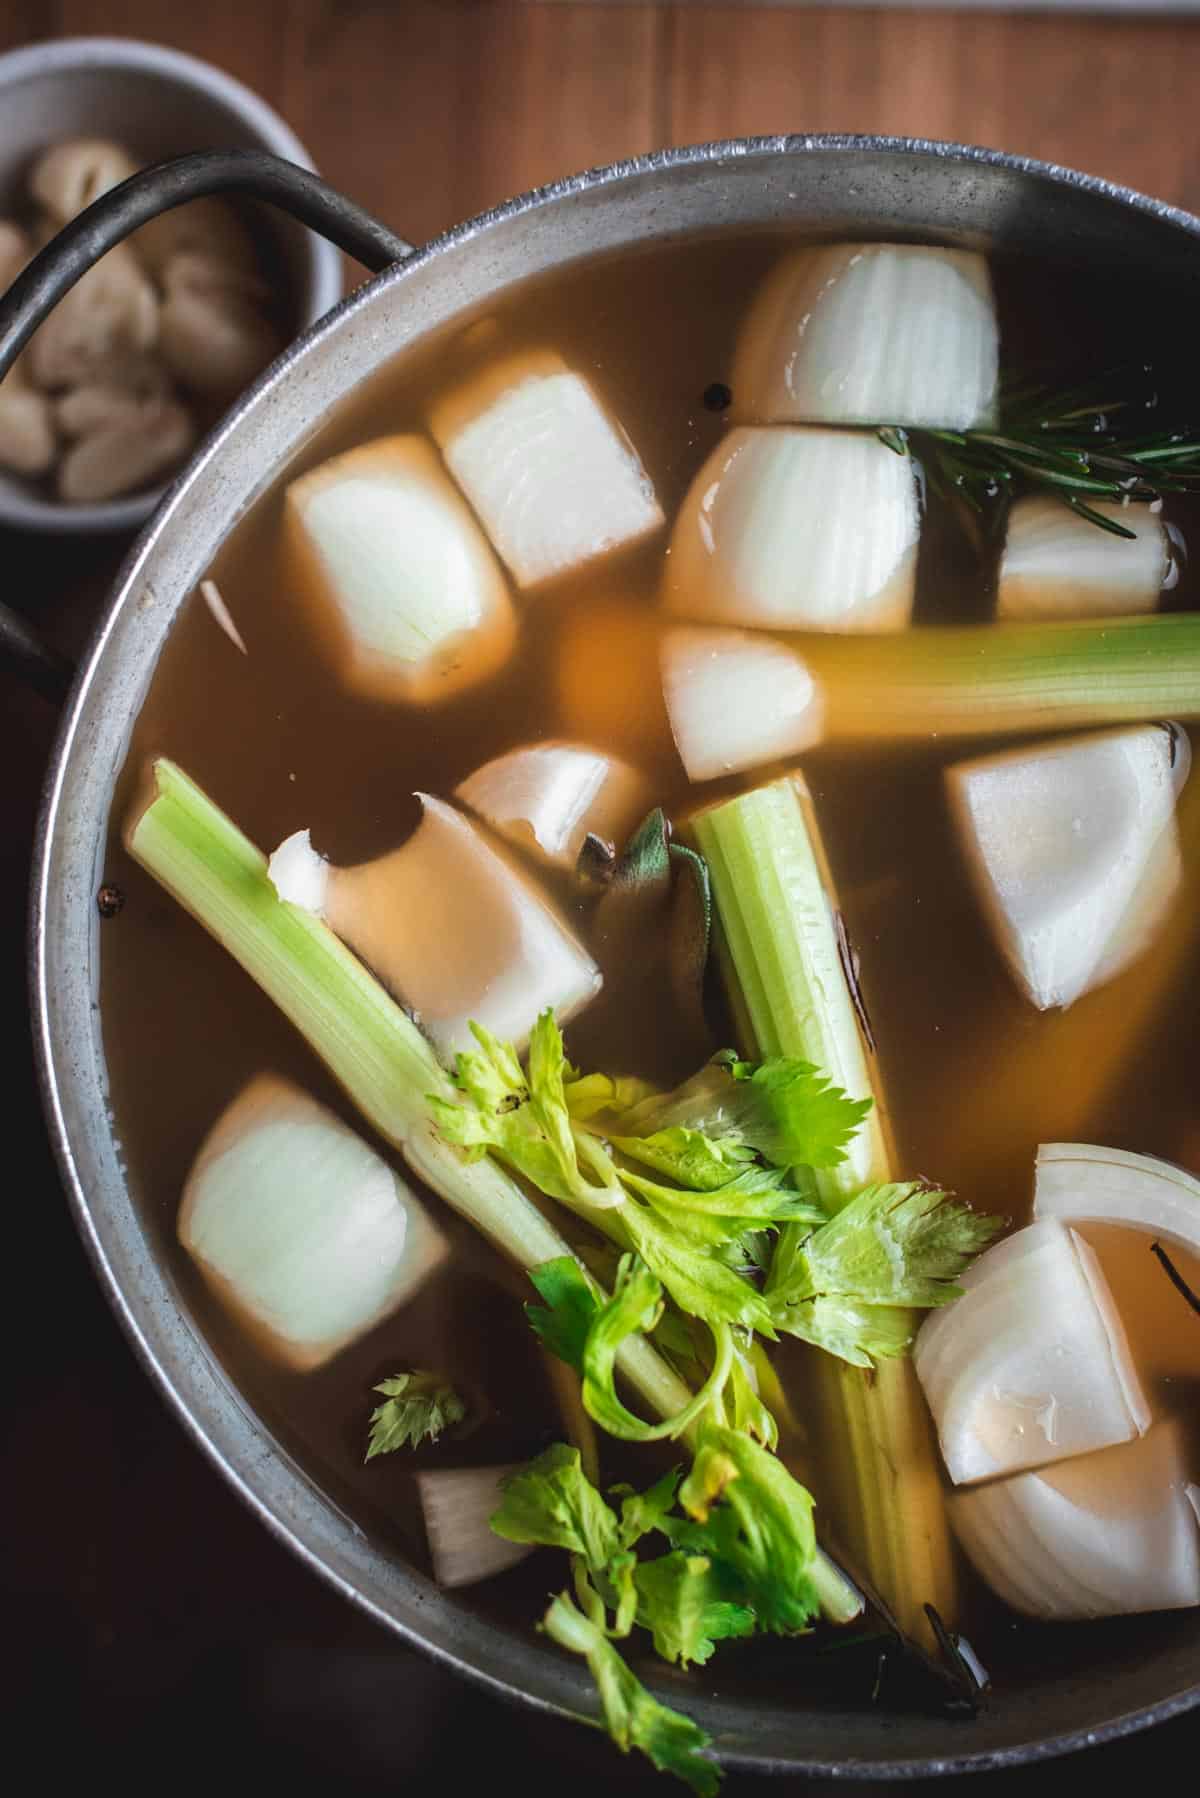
point(1031, 1364)
point(553, 478)
point(394, 560)
point(797, 529)
point(305, 1234)
point(1073, 850)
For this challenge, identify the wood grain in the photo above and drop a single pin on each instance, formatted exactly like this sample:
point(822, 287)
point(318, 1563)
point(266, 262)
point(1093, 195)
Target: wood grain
point(430, 110)
point(1113, 96)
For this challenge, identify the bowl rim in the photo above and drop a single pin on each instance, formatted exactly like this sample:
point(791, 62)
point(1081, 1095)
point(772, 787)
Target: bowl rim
point(322, 280)
point(54, 1060)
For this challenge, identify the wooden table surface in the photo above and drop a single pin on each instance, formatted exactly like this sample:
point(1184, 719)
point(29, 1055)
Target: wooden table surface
point(156, 1630)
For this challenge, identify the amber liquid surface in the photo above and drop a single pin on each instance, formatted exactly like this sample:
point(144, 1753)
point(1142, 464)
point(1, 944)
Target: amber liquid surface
point(975, 1078)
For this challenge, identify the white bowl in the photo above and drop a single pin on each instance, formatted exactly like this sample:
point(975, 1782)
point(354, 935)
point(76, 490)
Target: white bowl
point(157, 103)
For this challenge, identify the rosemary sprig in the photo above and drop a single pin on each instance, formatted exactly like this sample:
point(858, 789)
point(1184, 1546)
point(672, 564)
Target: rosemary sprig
point(1077, 446)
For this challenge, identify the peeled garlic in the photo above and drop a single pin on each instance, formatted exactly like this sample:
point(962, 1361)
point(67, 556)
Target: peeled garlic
point(110, 314)
point(15, 251)
point(28, 444)
point(1073, 849)
point(304, 1232)
point(209, 228)
point(870, 334)
point(391, 552)
point(132, 452)
point(67, 178)
point(553, 478)
point(799, 530)
point(1031, 1365)
point(213, 334)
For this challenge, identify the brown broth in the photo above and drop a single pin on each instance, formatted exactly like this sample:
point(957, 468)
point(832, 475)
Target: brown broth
point(975, 1078)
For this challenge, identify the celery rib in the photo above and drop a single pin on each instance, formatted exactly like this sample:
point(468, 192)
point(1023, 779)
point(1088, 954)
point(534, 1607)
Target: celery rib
point(995, 679)
point(780, 954)
point(373, 1049)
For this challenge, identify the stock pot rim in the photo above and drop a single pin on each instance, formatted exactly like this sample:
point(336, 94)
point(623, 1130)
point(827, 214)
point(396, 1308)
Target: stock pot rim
point(565, 1692)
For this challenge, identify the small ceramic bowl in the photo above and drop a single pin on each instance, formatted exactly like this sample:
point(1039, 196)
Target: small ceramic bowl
point(157, 103)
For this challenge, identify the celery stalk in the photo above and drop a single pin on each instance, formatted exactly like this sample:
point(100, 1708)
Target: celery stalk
point(994, 679)
point(979, 680)
point(780, 950)
point(371, 1047)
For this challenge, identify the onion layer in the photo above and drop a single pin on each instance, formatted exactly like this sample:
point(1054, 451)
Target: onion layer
point(1101, 1536)
point(736, 700)
point(305, 1234)
point(393, 559)
point(870, 333)
point(1031, 1365)
point(1073, 850)
point(1057, 564)
point(797, 530)
point(553, 478)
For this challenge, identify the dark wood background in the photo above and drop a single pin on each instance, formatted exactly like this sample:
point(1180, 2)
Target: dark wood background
point(154, 1632)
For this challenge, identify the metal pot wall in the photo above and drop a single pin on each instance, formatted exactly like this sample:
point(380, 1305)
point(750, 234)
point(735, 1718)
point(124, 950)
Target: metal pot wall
point(1106, 1683)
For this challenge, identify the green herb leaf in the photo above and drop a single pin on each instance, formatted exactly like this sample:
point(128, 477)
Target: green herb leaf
point(855, 1332)
point(682, 1601)
point(749, 1516)
point(419, 1407)
point(522, 1120)
point(562, 1322)
point(553, 1503)
point(750, 1414)
point(634, 1719)
point(893, 1246)
point(636, 1305)
point(642, 1512)
point(782, 1109)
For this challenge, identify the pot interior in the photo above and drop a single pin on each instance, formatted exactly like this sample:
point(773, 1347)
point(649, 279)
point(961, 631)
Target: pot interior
point(1055, 1687)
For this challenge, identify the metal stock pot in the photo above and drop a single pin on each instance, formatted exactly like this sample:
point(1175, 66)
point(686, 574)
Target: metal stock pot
point(827, 186)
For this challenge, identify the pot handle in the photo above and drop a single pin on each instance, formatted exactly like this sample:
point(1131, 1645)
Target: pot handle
point(106, 223)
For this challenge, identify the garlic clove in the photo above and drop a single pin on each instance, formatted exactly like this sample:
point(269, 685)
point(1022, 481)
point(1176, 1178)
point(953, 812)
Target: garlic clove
point(213, 334)
point(15, 251)
point(67, 178)
point(110, 314)
point(128, 454)
point(28, 444)
point(208, 228)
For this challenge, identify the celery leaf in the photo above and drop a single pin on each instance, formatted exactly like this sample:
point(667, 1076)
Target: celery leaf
point(570, 1305)
point(683, 1602)
point(552, 1502)
point(894, 1246)
point(418, 1407)
point(748, 1515)
point(633, 1718)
